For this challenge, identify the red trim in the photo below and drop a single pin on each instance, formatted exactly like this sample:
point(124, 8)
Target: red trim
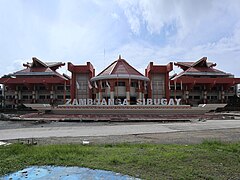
point(33, 80)
point(73, 86)
point(220, 80)
point(167, 86)
point(157, 69)
point(80, 69)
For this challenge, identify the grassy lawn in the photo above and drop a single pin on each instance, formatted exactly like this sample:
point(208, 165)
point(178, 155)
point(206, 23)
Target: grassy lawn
point(209, 160)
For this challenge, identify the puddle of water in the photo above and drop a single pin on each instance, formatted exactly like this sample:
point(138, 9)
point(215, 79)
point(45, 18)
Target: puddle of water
point(4, 143)
point(64, 173)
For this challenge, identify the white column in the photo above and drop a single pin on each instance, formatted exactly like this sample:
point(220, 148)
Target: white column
point(19, 95)
point(128, 96)
point(111, 94)
point(100, 95)
point(187, 94)
point(34, 96)
point(97, 95)
point(205, 96)
point(51, 94)
point(16, 95)
point(139, 95)
point(222, 96)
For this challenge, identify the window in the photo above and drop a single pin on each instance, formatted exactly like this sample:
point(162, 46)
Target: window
point(42, 88)
point(134, 84)
point(178, 87)
point(104, 85)
point(9, 106)
point(196, 97)
point(214, 97)
point(60, 88)
point(24, 88)
point(232, 88)
point(9, 97)
point(121, 83)
point(48, 96)
point(25, 96)
point(197, 88)
point(42, 97)
point(60, 97)
point(214, 88)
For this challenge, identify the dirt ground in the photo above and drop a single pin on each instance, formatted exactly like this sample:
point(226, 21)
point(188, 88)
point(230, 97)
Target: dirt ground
point(189, 137)
point(225, 135)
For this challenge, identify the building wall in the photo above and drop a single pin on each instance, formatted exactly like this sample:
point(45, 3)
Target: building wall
point(191, 92)
point(198, 94)
point(1, 97)
point(130, 89)
point(80, 80)
point(82, 91)
point(40, 94)
point(158, 86)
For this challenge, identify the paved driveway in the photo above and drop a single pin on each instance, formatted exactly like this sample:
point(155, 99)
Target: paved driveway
point(117, 129)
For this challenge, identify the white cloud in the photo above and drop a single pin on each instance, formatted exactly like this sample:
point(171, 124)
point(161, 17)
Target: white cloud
point(157, 13)
point(132, 12)
point(196, 21)
point(202, 28)
point(139, 30)
point(115, 16)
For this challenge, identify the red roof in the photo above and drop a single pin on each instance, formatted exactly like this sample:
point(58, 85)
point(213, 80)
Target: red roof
point(38, 63)
point(38, 68)
point(33, 80)
point(37, 72)
point(120, 66)
point(199, 68)
point(200, 63)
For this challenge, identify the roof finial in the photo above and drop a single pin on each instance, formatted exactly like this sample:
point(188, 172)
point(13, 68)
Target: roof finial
point(119, 57)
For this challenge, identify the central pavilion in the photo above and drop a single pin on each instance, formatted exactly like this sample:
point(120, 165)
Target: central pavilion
point(120, 81)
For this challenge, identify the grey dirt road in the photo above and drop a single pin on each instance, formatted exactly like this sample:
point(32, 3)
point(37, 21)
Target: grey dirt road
point(140, 131)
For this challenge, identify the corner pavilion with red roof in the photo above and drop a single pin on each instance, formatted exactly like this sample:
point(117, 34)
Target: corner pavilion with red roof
point(200, 82)
point(39, 82)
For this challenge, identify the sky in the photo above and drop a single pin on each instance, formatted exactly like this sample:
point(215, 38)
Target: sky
point(99, 31)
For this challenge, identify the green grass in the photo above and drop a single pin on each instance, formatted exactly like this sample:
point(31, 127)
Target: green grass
point(209, 160)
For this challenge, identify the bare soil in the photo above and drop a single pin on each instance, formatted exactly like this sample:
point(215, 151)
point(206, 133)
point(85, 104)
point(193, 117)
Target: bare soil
point(190, 137)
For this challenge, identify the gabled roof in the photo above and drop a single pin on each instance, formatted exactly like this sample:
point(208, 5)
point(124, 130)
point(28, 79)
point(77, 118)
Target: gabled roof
point(39, 68)
point(120, 66)
point(199, 68)
point(34, 71)
point(38, 63)
point(200, 63)
point(120, 69)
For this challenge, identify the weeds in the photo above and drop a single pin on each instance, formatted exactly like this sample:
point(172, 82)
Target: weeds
point(209, 160)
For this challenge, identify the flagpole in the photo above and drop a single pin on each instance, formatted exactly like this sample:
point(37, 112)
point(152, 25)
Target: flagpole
point(175, 88)
point(117, 86)
point(64, 92)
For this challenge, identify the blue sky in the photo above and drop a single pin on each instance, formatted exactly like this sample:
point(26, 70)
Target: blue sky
point(140, 30)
